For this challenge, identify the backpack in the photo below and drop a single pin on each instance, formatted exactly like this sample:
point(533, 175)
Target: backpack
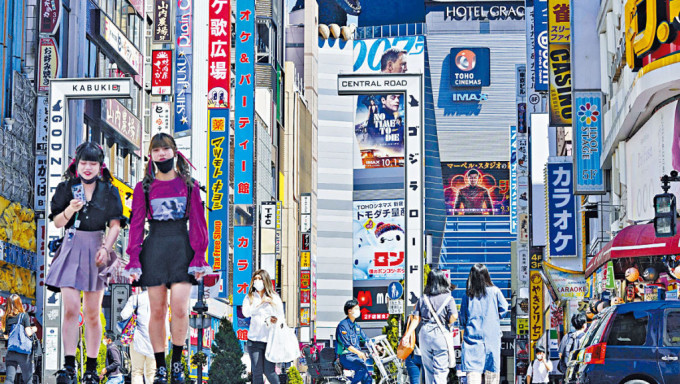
point(125, 364)
point(572, 342)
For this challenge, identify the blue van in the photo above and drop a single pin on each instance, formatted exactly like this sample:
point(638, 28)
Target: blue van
point(634, 343)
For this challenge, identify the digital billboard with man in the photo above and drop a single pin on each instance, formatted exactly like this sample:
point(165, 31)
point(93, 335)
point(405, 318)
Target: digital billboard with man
point(476, 188)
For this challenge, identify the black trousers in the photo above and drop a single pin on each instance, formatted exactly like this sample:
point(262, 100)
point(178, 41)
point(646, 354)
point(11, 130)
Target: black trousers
point(259, 365)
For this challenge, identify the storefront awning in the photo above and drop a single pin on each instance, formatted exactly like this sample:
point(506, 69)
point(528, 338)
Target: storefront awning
point(635, 241)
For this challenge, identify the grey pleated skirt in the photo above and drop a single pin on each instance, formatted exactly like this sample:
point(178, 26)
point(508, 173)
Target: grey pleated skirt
point(74, 264)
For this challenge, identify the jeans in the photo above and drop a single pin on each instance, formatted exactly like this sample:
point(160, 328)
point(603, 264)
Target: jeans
point(142, 367)
point(413, 363)
point(14, 360)
point(259, 365)
point(435, 354)
point(120, 379)
point(352, 362)
point(489, 377)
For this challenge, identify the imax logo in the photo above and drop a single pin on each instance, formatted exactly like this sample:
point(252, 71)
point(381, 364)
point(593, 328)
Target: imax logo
point(470, 96)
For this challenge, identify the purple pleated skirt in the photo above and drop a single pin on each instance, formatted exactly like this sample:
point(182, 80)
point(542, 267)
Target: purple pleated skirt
point(74, 264)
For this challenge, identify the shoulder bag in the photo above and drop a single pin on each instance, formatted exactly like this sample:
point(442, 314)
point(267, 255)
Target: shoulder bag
point(448, 336)
point(127, 327)
point(403, 351)
point(18, 341)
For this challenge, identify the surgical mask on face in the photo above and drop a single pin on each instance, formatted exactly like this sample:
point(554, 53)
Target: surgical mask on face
point(356, 313)
point(258, 285)
point(165, 166)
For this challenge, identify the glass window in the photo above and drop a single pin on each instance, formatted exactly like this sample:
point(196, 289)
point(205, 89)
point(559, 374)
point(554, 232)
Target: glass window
point(628, 329)
point(672, 331)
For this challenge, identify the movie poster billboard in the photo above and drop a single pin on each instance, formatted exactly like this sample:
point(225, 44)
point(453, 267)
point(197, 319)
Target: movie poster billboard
point(404, 54)
point(378, 234)
point(379, 131)
point(477, 188)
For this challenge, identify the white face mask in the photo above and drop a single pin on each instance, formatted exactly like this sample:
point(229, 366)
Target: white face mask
point(356, 313)
point(258, 285)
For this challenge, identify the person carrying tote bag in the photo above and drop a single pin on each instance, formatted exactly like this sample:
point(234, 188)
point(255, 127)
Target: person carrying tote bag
point(18, 331)
point(433, 335)
point(282, 344)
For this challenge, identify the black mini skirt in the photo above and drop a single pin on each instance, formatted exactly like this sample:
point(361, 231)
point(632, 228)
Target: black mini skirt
point(166, 254)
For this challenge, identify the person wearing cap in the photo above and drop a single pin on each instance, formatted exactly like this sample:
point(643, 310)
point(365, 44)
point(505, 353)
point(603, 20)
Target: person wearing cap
point(539, 369)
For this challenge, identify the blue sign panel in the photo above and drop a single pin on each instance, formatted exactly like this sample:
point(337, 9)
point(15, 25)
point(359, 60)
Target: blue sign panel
point(395, 290)
point(513, 180)
point(588, 142)
point(243, 270)
point(470, 67)
point(244, 109)
point(218, 195)
point(561, 210)
point(183, 63)
point(541, 44)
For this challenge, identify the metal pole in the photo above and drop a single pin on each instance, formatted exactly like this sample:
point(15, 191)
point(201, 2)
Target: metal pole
point(428, 248)
point(200, 309)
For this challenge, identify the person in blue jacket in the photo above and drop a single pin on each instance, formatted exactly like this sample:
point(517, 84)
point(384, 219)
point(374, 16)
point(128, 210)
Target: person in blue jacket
point(481, 311)
point(348, 337)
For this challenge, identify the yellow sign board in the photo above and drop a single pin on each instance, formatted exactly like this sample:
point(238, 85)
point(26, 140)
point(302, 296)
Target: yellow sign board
point(559, 56)
point(305, 260)
point(559, 21)
point(125, 195)
point(522, 325)
point(536, 307)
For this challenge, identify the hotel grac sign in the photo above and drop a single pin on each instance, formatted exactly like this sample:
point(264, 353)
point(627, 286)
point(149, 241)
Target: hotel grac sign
point(652, 36)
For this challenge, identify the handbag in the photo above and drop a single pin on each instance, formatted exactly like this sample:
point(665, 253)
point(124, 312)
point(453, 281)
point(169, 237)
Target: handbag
point(127, 327)
point(403, 351)
point(18, 341)
point(54, 245)
point(282, 344)
point(448, 336)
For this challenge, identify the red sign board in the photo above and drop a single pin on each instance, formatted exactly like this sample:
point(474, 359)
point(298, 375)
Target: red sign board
point(305, 280)
point(219, 53)
point(161, 72)
point(50, 16)
point(305, 296)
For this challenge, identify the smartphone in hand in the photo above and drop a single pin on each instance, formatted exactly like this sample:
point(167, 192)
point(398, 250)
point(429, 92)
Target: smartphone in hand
point(78, 192)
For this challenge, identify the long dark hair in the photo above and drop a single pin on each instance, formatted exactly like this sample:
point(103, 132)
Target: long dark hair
point(478, 281)
point(88, 151)
point(437, 283)
point(163, 140)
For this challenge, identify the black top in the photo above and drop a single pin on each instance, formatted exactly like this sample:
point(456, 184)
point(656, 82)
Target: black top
point(12, 320)
point(104, 206)
point(113, 360)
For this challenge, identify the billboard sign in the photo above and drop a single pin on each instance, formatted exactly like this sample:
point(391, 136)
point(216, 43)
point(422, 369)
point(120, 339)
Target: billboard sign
point(118, 117)
point(513, 180)
point(219, 54)
point(48, 62)
point(652, 32)
point(477, 188)
point(161, 72)
point(560, 85)
point(161, 22)
point(379, 130)
point(218, 195)
point(541, 44)
point(470, 67)
point(50, 16)
point(373, 302)
point(536, 305)
point(161, 112)
point(390, 55)
point(183, 65)
point(561, 210)
point(559, 21)
point(379, 241)
point(587, 139)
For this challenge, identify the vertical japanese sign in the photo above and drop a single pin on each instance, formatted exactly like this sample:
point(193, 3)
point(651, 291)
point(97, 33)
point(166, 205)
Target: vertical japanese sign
point(513, 180)
point(244, 114)
point(219, 53)
point(50, 16)
point(268, 239)
point(48, 62)
point(161, 72)
point(40, 183)
point(541, 44)
point(536, 321)
point(559, 57)
point(305, 258)
point(183, 64)
point(160, 117)
point(161, 22)
point(561, 210)
point(588, 143)
point(218, 195)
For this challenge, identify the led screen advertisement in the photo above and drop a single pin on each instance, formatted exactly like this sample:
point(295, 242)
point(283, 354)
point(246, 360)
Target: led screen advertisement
point(378, 234)
point(379, 130)
point(477, 188)
point(390, 55)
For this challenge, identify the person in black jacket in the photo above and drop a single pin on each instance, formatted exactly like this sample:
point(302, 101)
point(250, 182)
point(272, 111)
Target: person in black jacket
point(114, 361)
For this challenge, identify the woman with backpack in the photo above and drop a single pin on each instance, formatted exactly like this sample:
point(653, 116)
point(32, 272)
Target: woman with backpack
point(172, 256)
point(85, 204)
point(481, 311)
point(19, 347)
point(436, 310)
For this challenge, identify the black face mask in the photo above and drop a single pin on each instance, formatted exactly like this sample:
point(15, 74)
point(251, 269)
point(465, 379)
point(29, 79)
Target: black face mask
point(92, 180)
point(165, 166)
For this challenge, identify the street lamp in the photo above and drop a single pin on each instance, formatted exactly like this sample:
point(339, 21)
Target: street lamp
point(664, 208)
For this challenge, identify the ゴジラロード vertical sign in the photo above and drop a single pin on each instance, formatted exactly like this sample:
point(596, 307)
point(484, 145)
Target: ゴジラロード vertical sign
point(561, 210)
point(244, 116)
point(588, 143)
point(219, 54)
point(183, 64)
point(218, 195)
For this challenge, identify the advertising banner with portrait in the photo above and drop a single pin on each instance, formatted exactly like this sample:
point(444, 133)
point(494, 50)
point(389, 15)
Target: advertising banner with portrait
point(477, 188)
point(379, 131)
point(390, 55)
point(378, 233)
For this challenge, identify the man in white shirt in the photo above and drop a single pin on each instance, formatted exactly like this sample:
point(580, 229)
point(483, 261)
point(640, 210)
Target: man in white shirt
point(539, 369)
